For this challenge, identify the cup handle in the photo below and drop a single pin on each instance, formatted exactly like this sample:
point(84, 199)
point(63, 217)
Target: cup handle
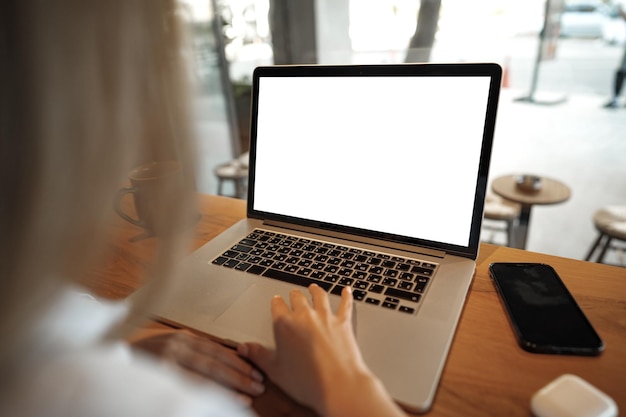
point(121, 193)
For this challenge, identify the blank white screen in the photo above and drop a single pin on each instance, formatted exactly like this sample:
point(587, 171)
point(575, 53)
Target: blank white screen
point(396, 155)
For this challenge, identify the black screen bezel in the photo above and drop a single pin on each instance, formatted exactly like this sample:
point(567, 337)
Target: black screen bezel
point(492, 70)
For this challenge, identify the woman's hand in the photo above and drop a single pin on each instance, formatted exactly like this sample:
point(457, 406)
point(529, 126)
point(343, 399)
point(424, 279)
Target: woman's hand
point(203, 357)
point(317, 360)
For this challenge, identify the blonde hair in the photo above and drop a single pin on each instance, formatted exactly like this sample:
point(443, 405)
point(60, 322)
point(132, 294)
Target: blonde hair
point(89, 89)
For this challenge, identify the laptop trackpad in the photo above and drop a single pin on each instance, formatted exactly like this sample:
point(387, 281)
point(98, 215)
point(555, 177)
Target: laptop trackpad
point(251, 316)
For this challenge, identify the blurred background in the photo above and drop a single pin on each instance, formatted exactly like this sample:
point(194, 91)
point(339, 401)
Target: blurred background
point(559, 60)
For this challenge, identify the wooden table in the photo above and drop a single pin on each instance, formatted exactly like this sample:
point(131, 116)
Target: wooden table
point(486, 374)
point(551, 192)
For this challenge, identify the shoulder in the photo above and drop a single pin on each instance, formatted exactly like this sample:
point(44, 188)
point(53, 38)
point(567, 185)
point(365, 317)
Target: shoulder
point(108, 381)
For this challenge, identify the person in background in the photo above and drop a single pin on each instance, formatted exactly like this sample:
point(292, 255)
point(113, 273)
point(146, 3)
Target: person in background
point(620, 73)
point(88, 90)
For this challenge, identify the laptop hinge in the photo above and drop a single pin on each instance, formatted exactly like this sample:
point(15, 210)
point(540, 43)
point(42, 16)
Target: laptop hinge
point(383, 244)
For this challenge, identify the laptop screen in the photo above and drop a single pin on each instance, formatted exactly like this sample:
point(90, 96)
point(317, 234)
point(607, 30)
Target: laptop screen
point(395, 155)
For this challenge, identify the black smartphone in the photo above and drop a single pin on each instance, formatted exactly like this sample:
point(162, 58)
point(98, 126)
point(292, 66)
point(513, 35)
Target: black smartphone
point(544, 315)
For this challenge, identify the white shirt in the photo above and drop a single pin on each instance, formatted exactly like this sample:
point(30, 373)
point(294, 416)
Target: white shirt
point(69, 372)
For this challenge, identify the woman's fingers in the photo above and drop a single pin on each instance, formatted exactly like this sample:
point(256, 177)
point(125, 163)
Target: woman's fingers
point(299, 301)
point(321, 303)
point(226, 355)
point(263, 357)
point(344, 312)
point(207, 358)
point(320, 299)
point(279, 307)
point(220, 370)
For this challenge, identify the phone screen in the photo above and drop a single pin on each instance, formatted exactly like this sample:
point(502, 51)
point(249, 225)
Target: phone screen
point(545, 316)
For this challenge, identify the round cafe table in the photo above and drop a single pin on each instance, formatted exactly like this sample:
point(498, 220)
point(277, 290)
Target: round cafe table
point(551, 192)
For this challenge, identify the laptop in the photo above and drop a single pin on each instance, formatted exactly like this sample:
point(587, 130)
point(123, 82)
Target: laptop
point(370, 176)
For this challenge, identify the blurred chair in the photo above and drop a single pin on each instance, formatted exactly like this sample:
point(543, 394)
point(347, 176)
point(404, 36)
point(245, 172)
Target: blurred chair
point(610, 221)
point(504, 212)
point(235, 171)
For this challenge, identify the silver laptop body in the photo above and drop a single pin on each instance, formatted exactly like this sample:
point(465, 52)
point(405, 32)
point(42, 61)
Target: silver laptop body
point(385, 160)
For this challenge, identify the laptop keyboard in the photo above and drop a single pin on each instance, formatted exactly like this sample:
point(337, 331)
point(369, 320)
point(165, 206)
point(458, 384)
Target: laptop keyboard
point(376, 278)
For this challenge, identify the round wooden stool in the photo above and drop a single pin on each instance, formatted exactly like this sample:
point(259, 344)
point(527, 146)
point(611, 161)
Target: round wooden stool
point(610, 221)
point(236, 171)
point(500, 209)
